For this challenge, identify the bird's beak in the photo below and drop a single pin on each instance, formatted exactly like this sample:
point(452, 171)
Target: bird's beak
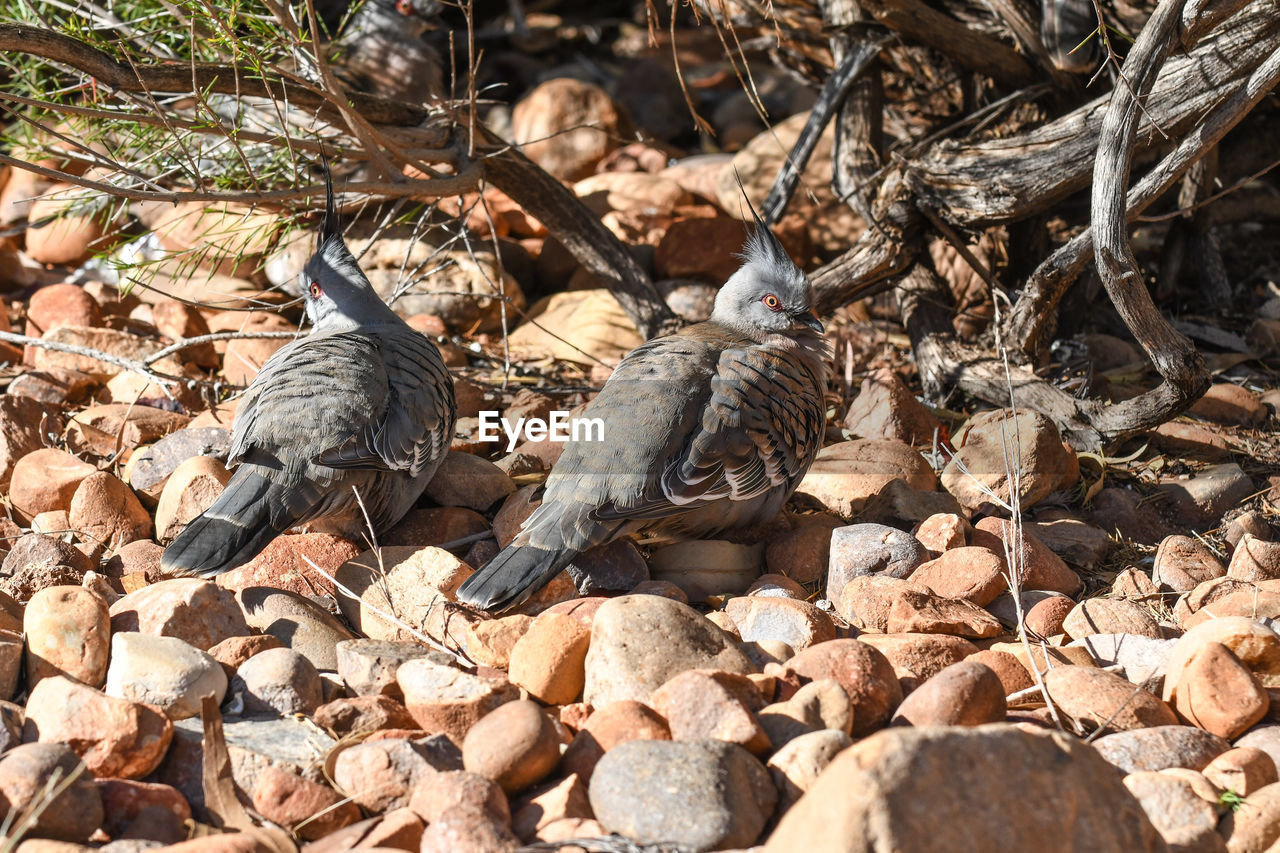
point(811, 320)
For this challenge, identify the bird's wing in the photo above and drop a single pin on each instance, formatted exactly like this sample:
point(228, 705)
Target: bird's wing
point(758, 432)
point(416, 425)
point(311, 397)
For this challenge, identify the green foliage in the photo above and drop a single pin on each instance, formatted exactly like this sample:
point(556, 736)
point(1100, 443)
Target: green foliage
point(206, 142)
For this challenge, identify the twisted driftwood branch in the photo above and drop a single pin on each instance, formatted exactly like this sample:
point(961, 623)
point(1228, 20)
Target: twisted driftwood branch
point(1030, 321)
point(1174, 356)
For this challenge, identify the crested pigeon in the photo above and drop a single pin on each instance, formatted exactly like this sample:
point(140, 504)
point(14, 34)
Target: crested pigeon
point(706, 430)
point(351, 420)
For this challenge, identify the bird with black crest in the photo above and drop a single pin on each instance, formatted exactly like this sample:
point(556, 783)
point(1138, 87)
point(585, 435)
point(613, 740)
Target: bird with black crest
point(705, 430)
point(341, 430)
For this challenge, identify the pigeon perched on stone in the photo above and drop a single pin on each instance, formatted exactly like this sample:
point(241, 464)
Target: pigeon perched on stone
point(706, 430)
point(362, 406)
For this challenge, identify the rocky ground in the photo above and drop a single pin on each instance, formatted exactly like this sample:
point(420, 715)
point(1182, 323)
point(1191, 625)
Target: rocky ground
point(857, 675)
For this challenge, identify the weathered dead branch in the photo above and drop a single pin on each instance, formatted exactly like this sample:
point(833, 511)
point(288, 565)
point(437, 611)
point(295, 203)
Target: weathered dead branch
point(923, 24)
point(1031, 319)
point(1174, 356)
point(1006, 180)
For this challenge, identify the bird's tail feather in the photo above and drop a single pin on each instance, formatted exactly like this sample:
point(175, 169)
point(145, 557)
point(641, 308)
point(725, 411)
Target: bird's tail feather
point(250, 512)
point(517, 572)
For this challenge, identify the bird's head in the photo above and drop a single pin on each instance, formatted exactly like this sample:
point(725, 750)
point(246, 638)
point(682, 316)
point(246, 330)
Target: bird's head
point(768, 294)
point(335, 290)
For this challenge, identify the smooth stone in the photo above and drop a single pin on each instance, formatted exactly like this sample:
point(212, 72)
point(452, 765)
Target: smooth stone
point(67, 630)
point(163, 671)
point(871, 795)
point(27, 770)
point(870, 549)
point(639, 641)
point(698, 795)
point(279, 681)
point(1161, 747)
point(298, 622)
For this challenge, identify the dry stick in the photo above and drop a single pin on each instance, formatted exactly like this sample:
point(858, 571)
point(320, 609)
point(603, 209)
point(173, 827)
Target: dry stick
point(1027, 34)
point(336, 94)
point(1002, 180)
point(1200, 16)
point(881, 253)
point(186, 343)
point(1045, 288)
point(833, 94)
point(857, 152)
point(426, 640)
point(1006, 180)
point(163, 380)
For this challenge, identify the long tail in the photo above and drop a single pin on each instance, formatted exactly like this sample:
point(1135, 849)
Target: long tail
point(250, 512)
point(517, 572)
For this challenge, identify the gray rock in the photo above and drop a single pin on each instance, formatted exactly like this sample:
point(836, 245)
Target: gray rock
point(278, 681)
point(871, 549)
point(253, 744)
point(163, 671)
point(639, 641)
point(617, 566)
point(151, 466)
point(1265, 737)
point(1210, 493)
point(697, 795)
point(1142, 659)
point(368, 667)
point(1161, 747)
point(298, 622)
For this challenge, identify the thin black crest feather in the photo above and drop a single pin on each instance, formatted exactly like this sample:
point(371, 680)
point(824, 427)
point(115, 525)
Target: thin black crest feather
point(332, 226)
point(762, 245)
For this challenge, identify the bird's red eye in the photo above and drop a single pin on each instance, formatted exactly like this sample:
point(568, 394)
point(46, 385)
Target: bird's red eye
point(404, 7)
point(315, 290)
point(771, 302)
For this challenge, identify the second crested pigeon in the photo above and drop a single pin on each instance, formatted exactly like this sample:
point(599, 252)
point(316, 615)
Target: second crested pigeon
point(705, 430)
